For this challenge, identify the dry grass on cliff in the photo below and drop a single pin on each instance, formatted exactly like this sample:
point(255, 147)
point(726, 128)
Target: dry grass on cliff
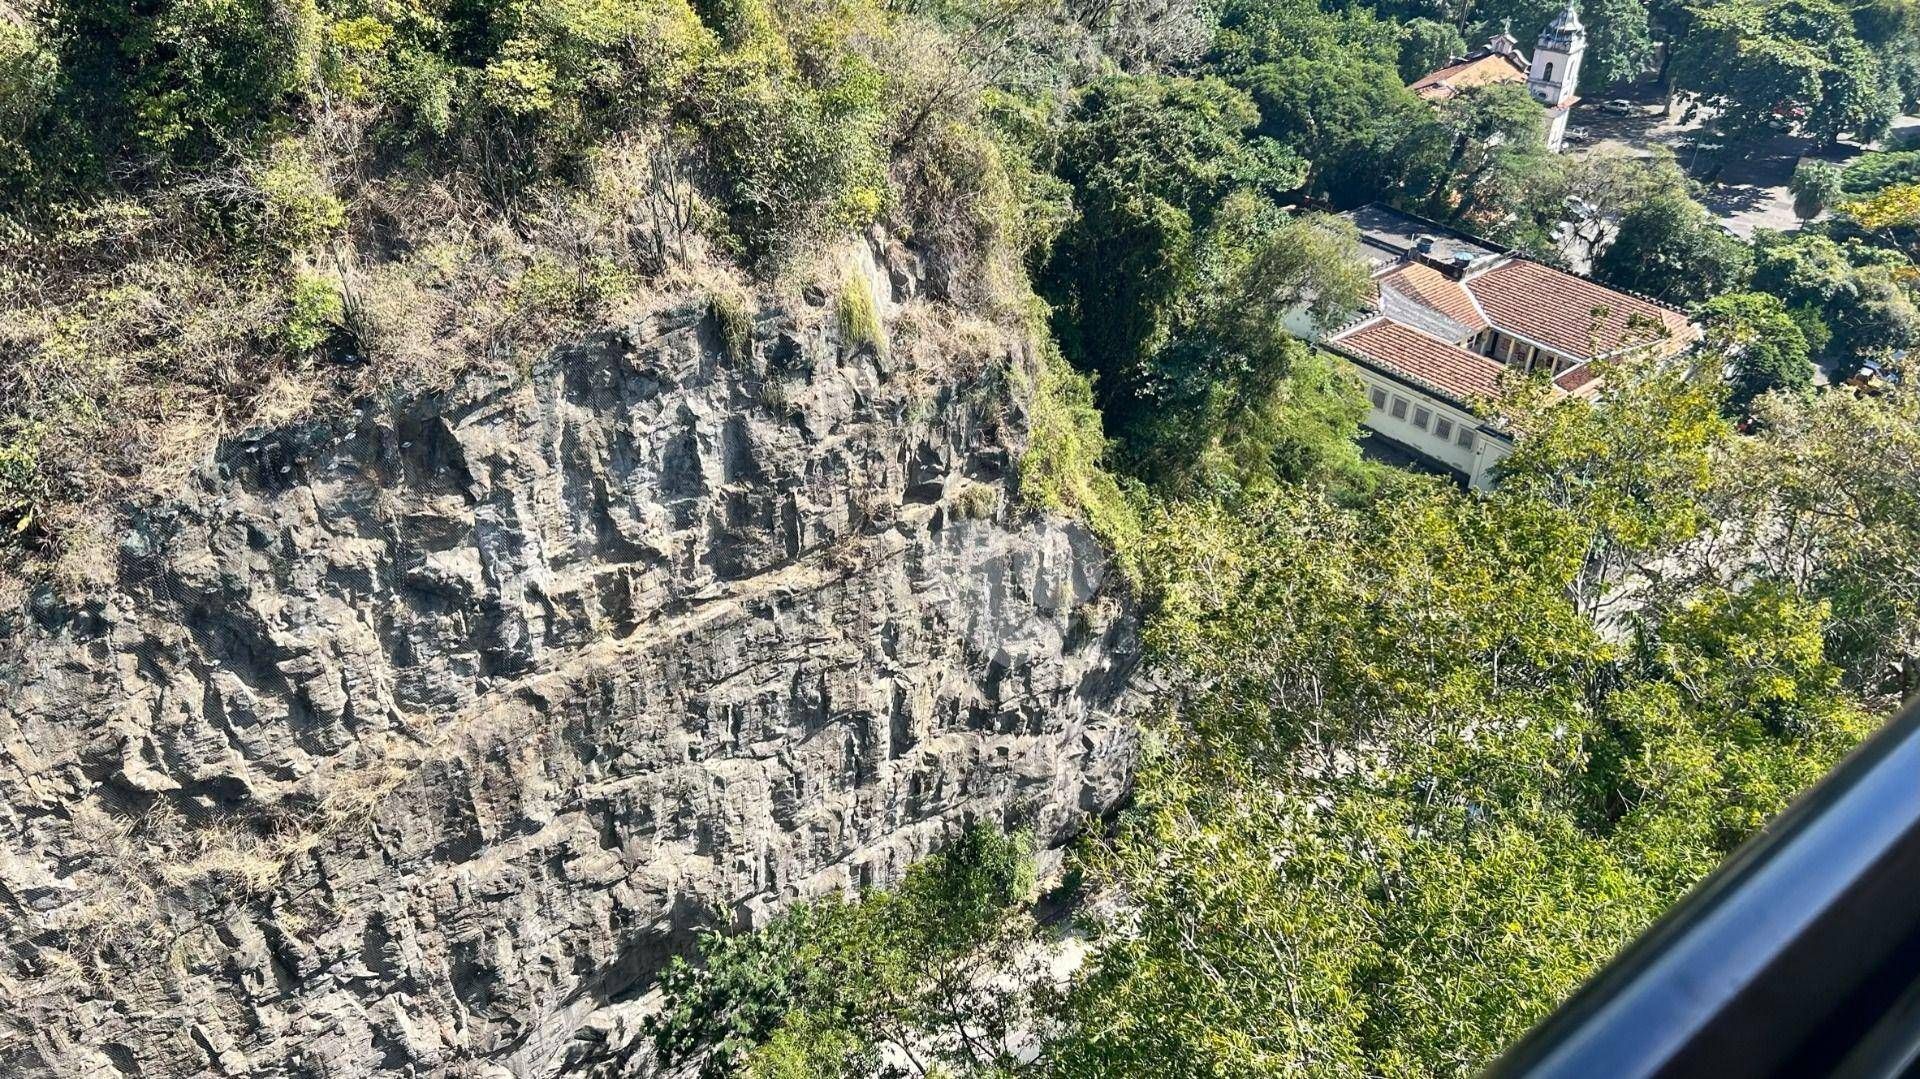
point(133, 342)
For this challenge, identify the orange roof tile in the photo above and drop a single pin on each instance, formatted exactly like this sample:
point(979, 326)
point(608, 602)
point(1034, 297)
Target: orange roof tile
point(1422, 283)
point(1570, 314)
point(1483, 70)
point(1448, 368)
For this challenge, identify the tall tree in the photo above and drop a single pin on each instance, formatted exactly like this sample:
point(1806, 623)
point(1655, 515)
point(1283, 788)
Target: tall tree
point(1670, 248)
point(1763, 348)
point(1151, 159)
point(1363, 134)
point(1493, 132)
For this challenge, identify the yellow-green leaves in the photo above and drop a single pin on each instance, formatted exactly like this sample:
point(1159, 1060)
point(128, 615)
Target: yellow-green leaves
point(314, 310)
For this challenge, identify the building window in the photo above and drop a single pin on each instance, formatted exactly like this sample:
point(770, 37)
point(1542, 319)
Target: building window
point(1465, 441)
point(1549, 74)
point(1422, 417)
point(1399, 408)
point(1443, 428)
point(1379, 398)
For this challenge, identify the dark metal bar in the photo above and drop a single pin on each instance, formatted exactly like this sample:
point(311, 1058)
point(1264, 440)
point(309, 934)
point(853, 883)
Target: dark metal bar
point(1798, 957)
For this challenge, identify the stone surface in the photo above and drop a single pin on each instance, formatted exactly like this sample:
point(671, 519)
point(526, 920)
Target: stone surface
point(414, 743)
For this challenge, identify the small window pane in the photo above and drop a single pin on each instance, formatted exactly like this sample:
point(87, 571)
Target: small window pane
point(1422, 417)
point(1443, 427)
point(1399, 408)
point(1379, 398)
point(1466, 438)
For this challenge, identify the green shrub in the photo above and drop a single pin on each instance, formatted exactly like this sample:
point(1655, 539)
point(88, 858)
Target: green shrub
point(314, 310)
point(1061, 471)
point(1871, 172)
point(298, 207)
point(22, 488)
point(792, 157)
point(860, 325)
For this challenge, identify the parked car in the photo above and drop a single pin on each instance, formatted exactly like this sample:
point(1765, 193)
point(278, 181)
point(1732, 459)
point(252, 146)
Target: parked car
point(1620, 106)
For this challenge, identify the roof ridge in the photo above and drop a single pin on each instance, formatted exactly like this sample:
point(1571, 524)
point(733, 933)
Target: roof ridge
point(1588, 278)
point(1354, 323)
point(1458, 396)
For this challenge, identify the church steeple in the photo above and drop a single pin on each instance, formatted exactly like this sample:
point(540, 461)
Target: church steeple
point(1555, 71)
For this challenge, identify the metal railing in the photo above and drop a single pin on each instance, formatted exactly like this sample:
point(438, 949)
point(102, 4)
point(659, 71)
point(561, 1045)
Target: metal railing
point(1798, 957)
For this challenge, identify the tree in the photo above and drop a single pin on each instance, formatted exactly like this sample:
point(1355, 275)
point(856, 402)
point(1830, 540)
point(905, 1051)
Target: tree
point(1426, 45)
point(1855, 96)
point(1620, 44)
point(1670, 248)
point(1253, 32)
point(1892, 213)
point(1763, 347)
point(1151, 158)
point(1493, 133)
point(1287, 904)
point(1853, 288)
point(1738, 57)
point(1828, 494)
point(1784, 65)
point(1361, 132)
point(1816, 187)
point(1576, 207)
point(828, 987)
point(1242, 401)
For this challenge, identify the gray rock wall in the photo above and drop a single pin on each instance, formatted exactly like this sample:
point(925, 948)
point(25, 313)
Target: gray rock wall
point(410, 743)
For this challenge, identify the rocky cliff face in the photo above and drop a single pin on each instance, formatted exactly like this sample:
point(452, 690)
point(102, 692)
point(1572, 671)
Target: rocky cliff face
point(413, 743)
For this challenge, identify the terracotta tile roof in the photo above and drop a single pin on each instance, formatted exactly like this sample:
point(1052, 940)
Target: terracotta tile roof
point(1556, 309)
point(1450, 369)
point(1422, 283)
point(1482, 70)
point(1576, 379)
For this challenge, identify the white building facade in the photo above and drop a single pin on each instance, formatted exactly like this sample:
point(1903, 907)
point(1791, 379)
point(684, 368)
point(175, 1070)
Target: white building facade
point(1455, 319)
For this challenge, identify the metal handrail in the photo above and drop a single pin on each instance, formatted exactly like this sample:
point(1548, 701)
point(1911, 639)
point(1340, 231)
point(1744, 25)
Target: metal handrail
point(1800, 956)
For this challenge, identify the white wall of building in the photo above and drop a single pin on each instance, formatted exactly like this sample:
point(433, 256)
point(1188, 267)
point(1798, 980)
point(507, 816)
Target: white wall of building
point(1440, 430)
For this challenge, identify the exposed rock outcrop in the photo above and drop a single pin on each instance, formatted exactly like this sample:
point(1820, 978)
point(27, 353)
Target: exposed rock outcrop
point(409, 741)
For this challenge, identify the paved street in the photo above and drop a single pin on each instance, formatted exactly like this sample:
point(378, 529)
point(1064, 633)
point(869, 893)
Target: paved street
point(1750, 192)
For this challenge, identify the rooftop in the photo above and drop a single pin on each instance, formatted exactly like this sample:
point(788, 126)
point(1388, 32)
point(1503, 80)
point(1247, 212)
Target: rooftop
point(1454, 371)
point(1568, 313)
point(1436, 291)
point(1483, 68)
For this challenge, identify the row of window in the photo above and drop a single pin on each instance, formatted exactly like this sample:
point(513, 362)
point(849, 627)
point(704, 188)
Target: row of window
point(1398, 407)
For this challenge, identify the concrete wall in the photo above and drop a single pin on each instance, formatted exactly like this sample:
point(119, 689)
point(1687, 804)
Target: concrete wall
point(1448, 434)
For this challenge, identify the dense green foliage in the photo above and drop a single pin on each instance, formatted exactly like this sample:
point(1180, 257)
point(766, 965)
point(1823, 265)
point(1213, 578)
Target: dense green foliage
point(1766, 348)
point(1671, 249)
point(1425, 758)
point(835, 987)
point(1808, 65)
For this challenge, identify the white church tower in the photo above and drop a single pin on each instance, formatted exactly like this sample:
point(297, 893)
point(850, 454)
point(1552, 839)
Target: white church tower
point(1556, 70)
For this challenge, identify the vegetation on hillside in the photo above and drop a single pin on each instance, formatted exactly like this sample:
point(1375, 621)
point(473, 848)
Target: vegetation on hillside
point(1425, 758)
